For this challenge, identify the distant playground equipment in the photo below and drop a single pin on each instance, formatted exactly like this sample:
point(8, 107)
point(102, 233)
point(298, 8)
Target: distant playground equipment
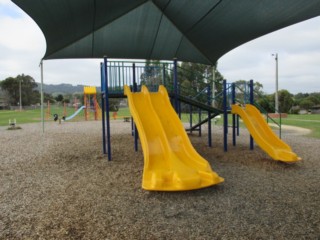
point(91, 103)
point(171, 163)
point(48, 111)
point(75, 113)
point(56, 115)
point(125, 118)
point(13, 125)
point(91, 108)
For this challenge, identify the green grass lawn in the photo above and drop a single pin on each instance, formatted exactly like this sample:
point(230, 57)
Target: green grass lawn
point(123, 112)
point(28, 116)
point(21, 117)
point(305, 121)
point(308, 121)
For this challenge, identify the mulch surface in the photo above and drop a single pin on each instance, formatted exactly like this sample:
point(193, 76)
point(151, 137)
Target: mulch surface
point(59, 185)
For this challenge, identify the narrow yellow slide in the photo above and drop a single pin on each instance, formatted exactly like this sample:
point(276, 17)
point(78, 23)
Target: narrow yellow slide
point(170, 161)
point(263, 134)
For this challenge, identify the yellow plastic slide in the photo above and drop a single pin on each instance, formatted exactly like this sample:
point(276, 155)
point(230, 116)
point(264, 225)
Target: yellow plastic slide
point(170, 161)
point(263, 134)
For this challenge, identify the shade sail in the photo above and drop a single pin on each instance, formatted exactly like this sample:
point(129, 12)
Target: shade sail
point(191, 30)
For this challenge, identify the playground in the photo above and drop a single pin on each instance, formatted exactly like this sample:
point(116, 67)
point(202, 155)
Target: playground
point(58, 180)
point(59, 186)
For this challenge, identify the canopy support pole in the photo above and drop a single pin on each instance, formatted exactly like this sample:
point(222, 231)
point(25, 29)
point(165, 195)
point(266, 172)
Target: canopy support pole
point(41, 92)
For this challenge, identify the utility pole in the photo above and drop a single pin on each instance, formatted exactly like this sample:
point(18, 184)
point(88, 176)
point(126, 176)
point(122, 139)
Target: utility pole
point(276, 93)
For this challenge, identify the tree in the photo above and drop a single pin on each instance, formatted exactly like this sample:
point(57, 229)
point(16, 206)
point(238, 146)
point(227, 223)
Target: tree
point(242, 91)
point(194, 78)
point(307, 100)
point(48, 97)
point(114, 104)
point(285, 101)
point(11, 86)
point(152, 74)
point(266, 102)
point(28, 93)
point(306, 104)
point(59, 98)
point(314, 98)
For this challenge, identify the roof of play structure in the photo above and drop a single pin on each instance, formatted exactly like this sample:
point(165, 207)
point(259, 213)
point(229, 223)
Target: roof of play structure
point(191, 30)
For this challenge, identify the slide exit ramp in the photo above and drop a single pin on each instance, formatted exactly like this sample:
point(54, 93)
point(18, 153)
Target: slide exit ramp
point(170, 161)
point(263, 134)
point(75, 113)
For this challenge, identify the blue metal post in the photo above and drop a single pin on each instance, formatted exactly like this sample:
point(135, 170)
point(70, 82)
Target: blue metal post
point(107, 106)
point(233, 99)
point(132, 127)
point(175, 85)
point(225, 117)
point(135, 88)
point(103, 97)
point(251, 102)
point(209, 117)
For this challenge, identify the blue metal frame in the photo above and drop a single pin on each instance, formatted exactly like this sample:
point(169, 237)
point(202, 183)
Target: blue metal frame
point(105, 59)
point(251, 102)
point(103, 96)
point(233, 97)
point(225, 117)
point(135, 88)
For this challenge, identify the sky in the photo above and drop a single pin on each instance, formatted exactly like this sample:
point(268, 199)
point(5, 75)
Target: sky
point(22, 45)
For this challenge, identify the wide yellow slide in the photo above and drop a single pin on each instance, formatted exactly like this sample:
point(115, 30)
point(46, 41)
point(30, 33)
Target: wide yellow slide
point(170, 161)
point(263, 134)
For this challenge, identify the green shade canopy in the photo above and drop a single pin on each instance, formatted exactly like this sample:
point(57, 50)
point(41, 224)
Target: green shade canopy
point(191, 30)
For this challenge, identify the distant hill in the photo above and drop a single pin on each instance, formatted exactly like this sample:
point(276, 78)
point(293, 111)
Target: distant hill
point(62, 88)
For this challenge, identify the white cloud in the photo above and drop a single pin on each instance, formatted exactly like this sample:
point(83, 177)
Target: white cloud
point(81, 71)
point(298, 48)
point(21, 35)
point(22, 44)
